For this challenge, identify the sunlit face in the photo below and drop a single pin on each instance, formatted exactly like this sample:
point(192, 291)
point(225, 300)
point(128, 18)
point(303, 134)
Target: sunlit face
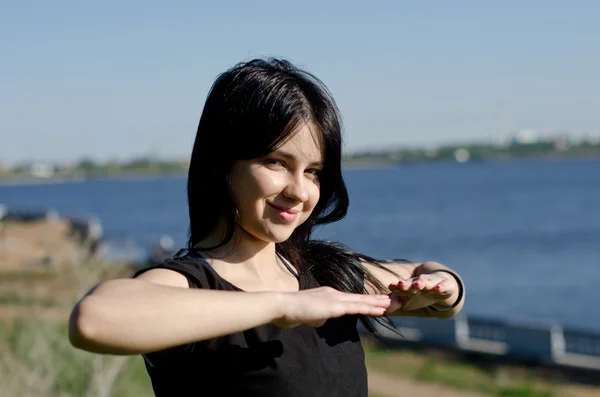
point(277, 193)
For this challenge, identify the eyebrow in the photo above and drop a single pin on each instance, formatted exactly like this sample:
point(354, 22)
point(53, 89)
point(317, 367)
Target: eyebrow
point(290, 156)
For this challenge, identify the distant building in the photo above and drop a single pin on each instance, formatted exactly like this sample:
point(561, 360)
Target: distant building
point(462, 155)
point(526, 137)
point(41, 170)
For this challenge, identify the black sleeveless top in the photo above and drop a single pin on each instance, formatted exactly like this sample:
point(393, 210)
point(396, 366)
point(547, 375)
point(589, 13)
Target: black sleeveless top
point(265, 361)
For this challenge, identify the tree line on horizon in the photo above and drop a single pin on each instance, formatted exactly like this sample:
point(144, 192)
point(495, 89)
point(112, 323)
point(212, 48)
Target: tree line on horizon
point(468, 152)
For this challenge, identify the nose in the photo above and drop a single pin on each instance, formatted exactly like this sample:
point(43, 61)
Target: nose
point(296, 188)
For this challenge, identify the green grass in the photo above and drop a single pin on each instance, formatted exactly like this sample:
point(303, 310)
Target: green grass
point(458, 375)
point(36, 359)
point(15, 298)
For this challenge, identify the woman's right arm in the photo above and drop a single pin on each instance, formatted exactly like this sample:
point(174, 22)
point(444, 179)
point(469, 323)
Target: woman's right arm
point(157, 310)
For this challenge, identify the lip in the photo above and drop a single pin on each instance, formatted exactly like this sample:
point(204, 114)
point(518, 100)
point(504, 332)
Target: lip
point(291, 211)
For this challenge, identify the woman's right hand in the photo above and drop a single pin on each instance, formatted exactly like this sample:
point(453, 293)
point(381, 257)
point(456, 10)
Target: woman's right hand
point(314, 307)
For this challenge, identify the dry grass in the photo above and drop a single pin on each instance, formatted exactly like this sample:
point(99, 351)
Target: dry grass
point(474, 374)
point(36, 358)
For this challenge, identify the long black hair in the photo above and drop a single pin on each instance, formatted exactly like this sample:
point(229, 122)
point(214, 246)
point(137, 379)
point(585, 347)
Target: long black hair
point(250, 110)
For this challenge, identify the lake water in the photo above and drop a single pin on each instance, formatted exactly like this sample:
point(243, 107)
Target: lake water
point(525, 235)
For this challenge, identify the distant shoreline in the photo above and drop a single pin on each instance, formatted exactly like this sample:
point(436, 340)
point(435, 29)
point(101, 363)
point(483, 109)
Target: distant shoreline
point(39, 181)
point(359, 165)
point(80, 179)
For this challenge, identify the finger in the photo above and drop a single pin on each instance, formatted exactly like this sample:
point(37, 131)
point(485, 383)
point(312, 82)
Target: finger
point(409, 294)
point(426, 282)
point(404, 288)
point(445, 287)
point(376, 300)
point(403, 285)
point(350, 308)
point(440, 291)
point(366, 310)
point(398, 302)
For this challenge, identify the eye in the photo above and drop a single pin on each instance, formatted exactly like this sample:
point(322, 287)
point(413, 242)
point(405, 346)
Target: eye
point(274, 163)
point(314, 172)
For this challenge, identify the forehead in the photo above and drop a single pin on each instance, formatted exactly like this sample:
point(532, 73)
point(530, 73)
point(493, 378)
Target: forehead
point(305, 142)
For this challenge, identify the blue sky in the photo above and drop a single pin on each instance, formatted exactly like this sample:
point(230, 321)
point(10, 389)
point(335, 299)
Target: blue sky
point(114, 79)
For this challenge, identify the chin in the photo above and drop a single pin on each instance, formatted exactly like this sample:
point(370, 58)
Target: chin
point(273, 232)
point(279, 236)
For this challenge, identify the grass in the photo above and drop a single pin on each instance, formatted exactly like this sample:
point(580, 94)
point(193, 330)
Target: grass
point(468, 376)
point(13, 298)
point(36, 358)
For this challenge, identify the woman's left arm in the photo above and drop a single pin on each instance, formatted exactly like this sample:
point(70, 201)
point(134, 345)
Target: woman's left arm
point(427, 289)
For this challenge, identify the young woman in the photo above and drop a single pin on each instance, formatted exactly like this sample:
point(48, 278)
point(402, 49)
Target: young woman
point(254, 306)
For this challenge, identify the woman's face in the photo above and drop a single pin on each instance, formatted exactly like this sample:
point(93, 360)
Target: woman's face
point(277, 193)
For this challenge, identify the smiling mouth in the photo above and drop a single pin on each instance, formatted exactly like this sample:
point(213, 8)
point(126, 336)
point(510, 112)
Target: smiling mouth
point(286, 214)
point(283, 209)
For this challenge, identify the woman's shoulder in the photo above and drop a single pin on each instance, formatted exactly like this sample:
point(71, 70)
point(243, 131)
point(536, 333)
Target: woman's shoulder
point(163, 276)
point(183, 270)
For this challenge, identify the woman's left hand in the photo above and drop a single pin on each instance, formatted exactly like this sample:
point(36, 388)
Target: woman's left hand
point(422, 291)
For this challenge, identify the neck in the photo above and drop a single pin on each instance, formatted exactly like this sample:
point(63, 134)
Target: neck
point(255, 255)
